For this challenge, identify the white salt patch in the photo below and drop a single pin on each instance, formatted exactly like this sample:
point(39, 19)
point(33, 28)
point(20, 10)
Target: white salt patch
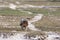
point(53, 36)
point(32, 27)
point(18, 36)
point(32, 6)
point(23, 6)
point(37, 18)
point(36, 38)
point(29, 5)
point(17, 2)
point(42, 6)
point(12, 6)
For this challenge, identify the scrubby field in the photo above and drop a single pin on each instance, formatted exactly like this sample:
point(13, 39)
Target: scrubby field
point(11, 11)
point(49, 22)
point(10, 18)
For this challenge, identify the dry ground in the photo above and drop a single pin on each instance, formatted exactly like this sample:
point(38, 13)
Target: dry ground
point(11, 18)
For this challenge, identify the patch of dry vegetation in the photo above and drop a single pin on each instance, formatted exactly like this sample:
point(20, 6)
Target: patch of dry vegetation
point(34, 33)
point(48, 24)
